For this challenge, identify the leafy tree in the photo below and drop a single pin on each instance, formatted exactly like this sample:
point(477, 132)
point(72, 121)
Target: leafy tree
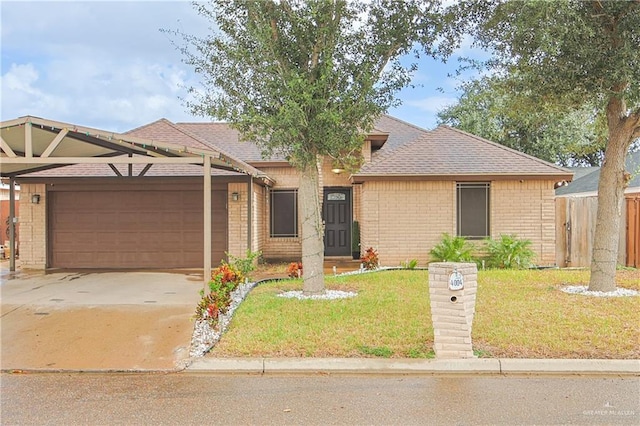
point(306, 79)
point(490, 109)
point(573, 53)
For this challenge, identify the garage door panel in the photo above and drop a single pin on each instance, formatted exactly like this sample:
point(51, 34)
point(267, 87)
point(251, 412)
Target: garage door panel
point(104, 220)
point(106, 238)
point(133, 229)
point(106, 256)
point(192, 217)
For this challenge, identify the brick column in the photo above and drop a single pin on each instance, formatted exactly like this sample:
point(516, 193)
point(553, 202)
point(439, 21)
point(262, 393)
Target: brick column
point(452, 310)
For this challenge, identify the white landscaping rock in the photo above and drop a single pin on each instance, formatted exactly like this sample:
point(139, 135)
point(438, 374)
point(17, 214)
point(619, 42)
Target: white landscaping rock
point(204, 336)
point(584, 290)
point(327, 295)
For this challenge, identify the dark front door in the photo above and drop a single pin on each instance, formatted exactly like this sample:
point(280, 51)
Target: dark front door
point(336, 211)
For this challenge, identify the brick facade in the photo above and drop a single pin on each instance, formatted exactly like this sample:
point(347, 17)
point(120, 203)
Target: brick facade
point(404, 220)
point(526, 209)
point(288, 178)
point(33, 227)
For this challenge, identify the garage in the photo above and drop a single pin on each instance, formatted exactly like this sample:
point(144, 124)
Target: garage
point(132, 226)
point(154, 197)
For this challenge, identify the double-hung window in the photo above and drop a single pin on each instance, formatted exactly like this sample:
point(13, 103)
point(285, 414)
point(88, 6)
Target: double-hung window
point(473, 209)
point(283, 213)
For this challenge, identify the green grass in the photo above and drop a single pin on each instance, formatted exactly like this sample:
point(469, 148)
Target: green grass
point(519, 314)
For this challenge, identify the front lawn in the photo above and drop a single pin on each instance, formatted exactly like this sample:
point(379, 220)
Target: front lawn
point(519, 314)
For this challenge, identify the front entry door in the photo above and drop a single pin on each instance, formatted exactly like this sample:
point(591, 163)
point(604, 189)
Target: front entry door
point(336, 212)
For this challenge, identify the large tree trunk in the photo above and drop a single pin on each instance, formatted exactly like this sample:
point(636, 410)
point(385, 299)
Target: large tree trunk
point(613, 181)
point(312, 231)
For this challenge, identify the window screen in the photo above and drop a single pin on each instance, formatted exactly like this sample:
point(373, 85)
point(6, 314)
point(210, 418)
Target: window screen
point(284, 213)
point(473, 209)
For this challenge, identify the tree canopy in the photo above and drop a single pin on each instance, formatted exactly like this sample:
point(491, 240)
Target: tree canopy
point(306, 79)
point(574, 53)
point(489, 108)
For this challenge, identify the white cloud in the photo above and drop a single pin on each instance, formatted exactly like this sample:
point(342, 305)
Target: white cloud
point(21, 94)
point(107, 65)
point(19, 79)
point(100, 64)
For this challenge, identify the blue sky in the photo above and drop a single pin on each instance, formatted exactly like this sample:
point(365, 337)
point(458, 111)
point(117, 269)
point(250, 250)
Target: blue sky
point(107, 65)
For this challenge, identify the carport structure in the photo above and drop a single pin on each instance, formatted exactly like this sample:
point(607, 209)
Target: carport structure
point(31, 144)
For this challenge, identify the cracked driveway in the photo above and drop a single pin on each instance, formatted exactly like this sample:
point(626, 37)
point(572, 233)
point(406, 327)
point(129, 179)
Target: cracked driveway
point(96, 320)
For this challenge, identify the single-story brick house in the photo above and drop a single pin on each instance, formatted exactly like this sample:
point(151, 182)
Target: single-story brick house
point(136, 199)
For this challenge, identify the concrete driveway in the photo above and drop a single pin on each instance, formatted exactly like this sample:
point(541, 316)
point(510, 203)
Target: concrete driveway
point(96, 320)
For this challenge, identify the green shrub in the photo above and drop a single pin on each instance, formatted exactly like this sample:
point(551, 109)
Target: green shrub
point(409, 264)
point(509, 252)
point(246, 264)
point(355, 238)
point(452, 249)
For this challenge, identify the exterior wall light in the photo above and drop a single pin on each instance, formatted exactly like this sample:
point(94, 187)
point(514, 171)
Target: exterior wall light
point(337, 170)
point(235, 196)
point(35, 199)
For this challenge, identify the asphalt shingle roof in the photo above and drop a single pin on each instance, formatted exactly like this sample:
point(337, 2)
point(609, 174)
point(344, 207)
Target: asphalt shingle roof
point(448, 151)
point(586, 179)
point(408, 152)
point(222, 136)
point(400, 132)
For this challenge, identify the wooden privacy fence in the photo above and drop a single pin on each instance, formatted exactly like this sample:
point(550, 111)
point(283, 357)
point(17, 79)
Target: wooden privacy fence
point(575, 228)
point(633, 231)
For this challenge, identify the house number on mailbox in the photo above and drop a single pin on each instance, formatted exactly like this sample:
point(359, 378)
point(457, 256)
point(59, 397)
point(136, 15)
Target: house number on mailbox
point(455, 281)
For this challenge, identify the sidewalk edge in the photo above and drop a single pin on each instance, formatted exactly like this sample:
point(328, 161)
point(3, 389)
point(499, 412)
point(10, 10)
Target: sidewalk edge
point(415, 366)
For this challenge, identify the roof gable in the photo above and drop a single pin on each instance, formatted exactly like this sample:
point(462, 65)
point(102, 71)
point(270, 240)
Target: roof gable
point(400, 132)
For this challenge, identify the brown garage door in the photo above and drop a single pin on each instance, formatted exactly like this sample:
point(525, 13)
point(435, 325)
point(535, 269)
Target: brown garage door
point(133, 229)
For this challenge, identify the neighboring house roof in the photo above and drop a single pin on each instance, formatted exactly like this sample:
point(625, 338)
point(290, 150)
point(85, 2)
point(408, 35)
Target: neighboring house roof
point(586, 179)
point(452, 153)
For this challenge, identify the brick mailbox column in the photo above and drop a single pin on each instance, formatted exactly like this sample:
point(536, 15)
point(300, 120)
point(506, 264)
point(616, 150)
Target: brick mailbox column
point(452, 293)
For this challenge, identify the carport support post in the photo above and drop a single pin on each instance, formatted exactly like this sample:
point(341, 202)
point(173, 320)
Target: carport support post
point(207, 221)
point(12, 224)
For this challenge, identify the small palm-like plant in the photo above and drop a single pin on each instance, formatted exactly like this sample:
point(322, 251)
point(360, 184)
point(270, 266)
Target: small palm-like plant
point(509, 252)
point(452, 249)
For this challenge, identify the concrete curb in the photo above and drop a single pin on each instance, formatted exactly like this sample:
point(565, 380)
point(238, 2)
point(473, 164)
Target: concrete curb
point(414, 366)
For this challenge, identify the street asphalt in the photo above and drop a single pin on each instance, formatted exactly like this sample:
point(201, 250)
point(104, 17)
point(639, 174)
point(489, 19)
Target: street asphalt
point(151, 311)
